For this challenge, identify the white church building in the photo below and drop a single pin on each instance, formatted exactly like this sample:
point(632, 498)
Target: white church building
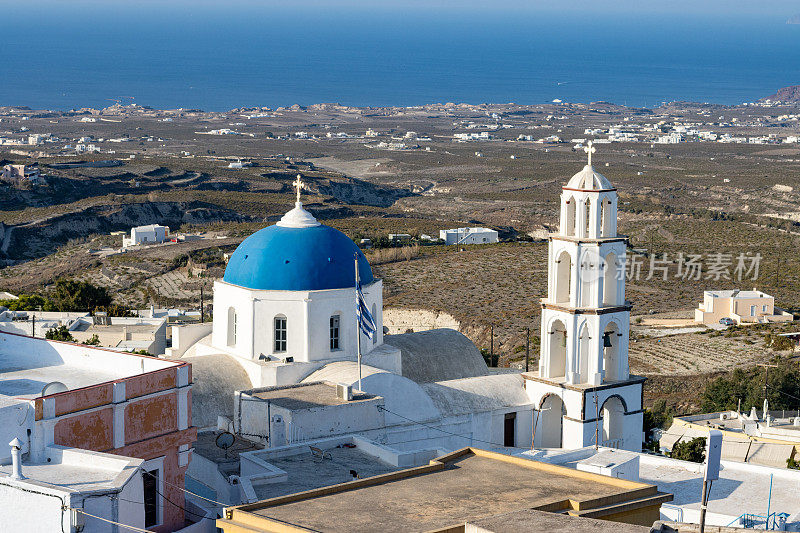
point(285, 320)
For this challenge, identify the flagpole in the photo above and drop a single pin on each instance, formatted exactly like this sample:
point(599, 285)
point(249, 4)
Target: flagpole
point(358, 323)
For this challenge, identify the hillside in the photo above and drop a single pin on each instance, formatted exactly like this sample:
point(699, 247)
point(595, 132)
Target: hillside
point(789, 94)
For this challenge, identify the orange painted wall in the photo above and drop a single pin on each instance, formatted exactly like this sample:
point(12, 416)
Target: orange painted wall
point(90, 431)
point(151, 429)
point(151, 417)
point(151, 382)
point(85, 398)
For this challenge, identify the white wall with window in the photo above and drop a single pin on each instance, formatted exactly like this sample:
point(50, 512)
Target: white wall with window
point(273, 325)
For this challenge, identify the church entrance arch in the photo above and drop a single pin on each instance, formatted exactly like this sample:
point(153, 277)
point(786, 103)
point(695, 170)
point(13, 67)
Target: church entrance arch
point(613, 414)
point(551, 422)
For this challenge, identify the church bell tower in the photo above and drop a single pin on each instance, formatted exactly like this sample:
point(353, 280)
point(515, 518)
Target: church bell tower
point(583, 391)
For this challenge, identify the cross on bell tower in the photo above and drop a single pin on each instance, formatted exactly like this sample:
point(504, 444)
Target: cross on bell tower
point(298, 184)
point(589, 149)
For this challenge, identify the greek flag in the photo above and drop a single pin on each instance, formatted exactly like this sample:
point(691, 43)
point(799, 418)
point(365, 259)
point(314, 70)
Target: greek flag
point(365, 320)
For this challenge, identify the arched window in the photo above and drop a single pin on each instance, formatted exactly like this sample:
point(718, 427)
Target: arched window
point(611, 352)
point(587, 218)
point(568, 225)
point(231, 326)
point(607, 217)
point(280, 334)
point(334, 332)
point(610, 280)
point(557, 364)
point(563, 288)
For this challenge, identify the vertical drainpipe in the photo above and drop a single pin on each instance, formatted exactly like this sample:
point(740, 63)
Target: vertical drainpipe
point(306, 348)
point(253, 354)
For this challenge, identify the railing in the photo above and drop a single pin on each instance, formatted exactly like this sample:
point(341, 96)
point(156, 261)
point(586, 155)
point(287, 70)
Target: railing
point(770, 522)
point(679, 517)
point(612, 443)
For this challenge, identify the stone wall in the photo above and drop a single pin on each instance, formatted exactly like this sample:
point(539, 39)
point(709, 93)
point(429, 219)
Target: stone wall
point(406, 320)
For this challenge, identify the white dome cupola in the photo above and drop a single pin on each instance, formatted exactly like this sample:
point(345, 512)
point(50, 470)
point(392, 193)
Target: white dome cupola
point(588, 204)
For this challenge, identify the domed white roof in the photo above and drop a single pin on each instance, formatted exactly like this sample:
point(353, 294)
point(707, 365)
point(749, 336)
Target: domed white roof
point(298, 218)
point(588, 179)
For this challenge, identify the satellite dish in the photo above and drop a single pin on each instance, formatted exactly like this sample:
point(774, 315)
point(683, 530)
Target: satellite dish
point(224, 441)
point(53, 387)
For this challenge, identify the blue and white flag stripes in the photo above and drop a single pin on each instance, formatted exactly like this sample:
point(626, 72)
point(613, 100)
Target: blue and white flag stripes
point(365, 320)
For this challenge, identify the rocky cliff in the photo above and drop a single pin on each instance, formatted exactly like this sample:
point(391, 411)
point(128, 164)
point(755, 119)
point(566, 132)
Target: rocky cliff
point(41, 237)
point(789, 94)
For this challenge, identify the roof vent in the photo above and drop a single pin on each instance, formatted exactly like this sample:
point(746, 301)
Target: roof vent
point(16, 459)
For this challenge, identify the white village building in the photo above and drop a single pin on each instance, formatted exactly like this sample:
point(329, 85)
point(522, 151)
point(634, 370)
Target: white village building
point(150, 234)
point(468, 236)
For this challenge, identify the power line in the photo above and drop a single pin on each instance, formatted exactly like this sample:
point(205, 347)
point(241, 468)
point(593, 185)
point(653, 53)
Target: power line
point(187, 491)
point(132, 528)
point(439, 429)
point(782, 392)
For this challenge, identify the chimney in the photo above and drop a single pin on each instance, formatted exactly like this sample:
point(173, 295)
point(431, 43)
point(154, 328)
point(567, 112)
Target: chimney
point(16, 460)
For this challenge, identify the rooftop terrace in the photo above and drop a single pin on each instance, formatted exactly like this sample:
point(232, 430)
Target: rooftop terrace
point(464, 486)
point(28, 364)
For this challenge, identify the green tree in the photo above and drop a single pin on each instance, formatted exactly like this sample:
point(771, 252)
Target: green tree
point(657, 417)
point(690, 450)
point(61, 333)
point(72, 295)
point(783, 388)
point(27, 302)
point(94, 340)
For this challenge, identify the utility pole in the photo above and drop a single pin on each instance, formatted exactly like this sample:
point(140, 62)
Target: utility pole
point(596, 422)
point(527, 348)
point(202, 302)
point(711, 471)
point(766, 366)
point(491, 345)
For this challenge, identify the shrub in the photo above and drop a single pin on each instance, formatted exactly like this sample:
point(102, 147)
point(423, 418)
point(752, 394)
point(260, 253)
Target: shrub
point(690, 450)
point(61, 333)
point(94, 340)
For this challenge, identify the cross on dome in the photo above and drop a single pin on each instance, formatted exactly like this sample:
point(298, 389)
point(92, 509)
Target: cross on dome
point(589, 149)
point(298, 184)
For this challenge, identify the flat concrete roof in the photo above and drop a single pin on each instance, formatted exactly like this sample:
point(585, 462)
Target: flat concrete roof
point(741, 487)
point(307, 472)
point(77, 471)
point(467, 485)
point(29, 382)
point(28, 364)
point(533, 521)
point(227, 461)
point(306, 396)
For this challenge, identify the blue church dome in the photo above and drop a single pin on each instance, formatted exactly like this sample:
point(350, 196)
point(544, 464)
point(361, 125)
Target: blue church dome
point(285, 257)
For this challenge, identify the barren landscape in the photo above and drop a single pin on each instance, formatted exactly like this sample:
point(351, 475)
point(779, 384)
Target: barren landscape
point(412, 175)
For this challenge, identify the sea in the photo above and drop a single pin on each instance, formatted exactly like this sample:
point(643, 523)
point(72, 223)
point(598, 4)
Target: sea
point(217, 56)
